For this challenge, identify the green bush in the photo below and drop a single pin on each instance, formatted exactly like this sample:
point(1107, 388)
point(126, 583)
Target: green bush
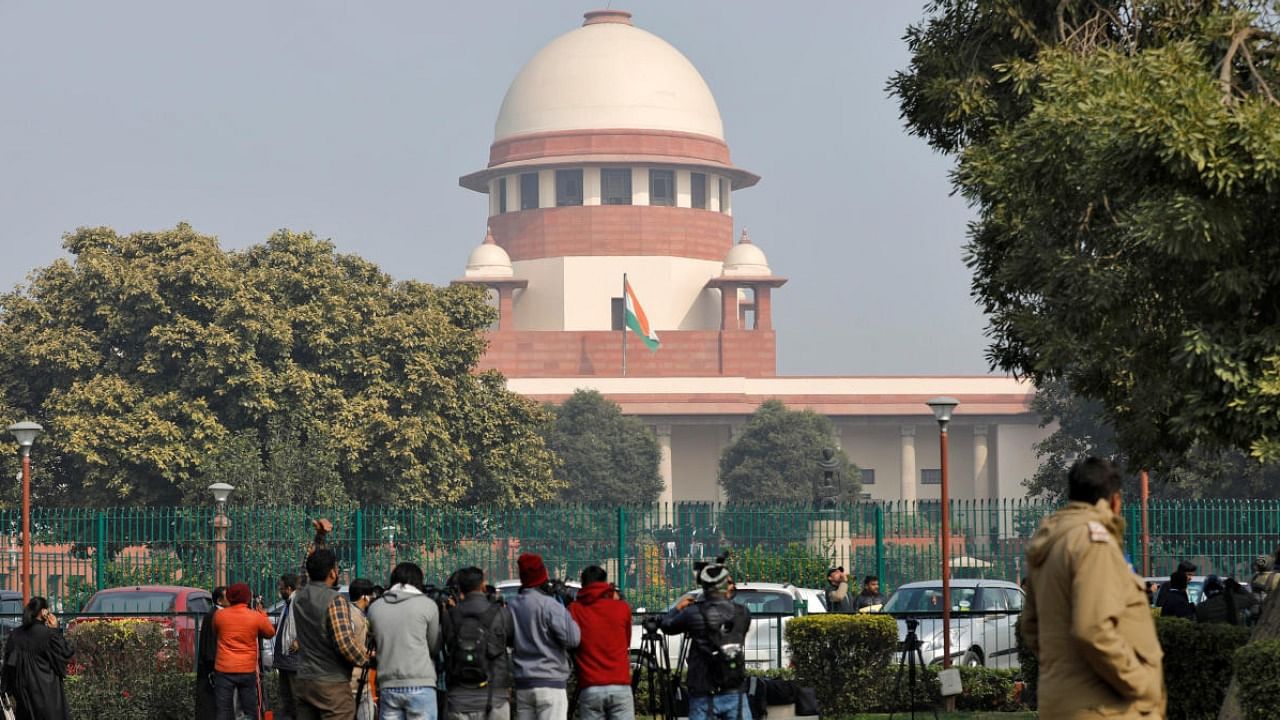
point(1028, 668)
point(127, 669)
point(984, 690)
point(1257, 668)
point(1197, 660)
point(795, 564)
point(843, 657)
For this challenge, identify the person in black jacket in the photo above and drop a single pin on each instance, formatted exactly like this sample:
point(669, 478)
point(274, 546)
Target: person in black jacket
point(35, 663)
point(1173, 599)
point(206, 703)
point(491, 701)
point(717, 627)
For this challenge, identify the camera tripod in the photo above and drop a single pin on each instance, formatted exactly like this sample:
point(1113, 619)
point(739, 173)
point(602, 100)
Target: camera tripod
point(909, 658)
point(651, 668)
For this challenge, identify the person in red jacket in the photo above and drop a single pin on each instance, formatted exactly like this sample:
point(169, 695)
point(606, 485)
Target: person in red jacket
point(604, 657)
point(239, 630)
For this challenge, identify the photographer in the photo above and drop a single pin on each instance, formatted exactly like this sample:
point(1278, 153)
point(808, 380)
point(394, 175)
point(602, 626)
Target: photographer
point(603, 659)
point(545, 633)
point(477, 632)
point(837, 592)
point(717, 665)
point(406, 632)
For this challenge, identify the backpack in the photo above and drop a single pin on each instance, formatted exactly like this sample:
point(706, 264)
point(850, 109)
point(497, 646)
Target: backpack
point(726, 662)
point(468, 662)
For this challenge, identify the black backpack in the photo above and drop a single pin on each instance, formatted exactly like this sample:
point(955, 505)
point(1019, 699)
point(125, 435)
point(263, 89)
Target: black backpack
point(727, 661)
point(468, 662)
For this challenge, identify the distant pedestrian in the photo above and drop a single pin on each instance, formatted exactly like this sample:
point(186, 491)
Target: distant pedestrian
point(206, 657)
point(545, 634)
point(326, 644)
point(1226, 602)
point(603, 659)
point(240, 630)
point(285, 658)
point(870, 596)
point(1173, 599)
point(1086, 616)
point(406, 634)
point(478, 633)
point(1181, 578)
point(837, 592)
point(35, 663)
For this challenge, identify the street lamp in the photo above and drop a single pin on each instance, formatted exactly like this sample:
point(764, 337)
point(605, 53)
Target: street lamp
point(221, 523)
point(26, 433)
point(942, 408)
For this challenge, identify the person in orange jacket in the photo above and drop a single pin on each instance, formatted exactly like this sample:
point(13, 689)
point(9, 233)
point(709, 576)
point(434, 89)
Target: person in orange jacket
point(240, 630)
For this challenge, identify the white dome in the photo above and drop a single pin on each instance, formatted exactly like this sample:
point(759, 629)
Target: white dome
point(745, 260)
point(608, 74)
point(489, 260)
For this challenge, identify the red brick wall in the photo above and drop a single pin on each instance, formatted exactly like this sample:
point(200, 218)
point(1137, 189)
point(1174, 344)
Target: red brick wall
point(688, 353)
point(614, 230)
point(687, 146)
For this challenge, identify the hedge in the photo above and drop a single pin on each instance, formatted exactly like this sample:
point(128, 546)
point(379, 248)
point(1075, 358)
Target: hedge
point(128, 669)
point(1257, 668)
point(1197, 665)
point(845, 658)
point(985, 690)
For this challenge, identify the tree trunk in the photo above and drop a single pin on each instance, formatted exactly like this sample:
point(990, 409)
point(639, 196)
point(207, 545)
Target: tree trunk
point(1268, 628)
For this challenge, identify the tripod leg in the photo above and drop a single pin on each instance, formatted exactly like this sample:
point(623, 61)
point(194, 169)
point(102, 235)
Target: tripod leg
point(932, 706)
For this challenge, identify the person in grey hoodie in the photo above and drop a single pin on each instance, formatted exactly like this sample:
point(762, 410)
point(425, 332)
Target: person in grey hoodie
point(545, 633)
point(405, 628)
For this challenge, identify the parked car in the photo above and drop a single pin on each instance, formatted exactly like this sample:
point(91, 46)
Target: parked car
point(10, 612)
point(172, 606)
point(510, 588)
point(983, 617)
point(1195, 588)
point(772, 606)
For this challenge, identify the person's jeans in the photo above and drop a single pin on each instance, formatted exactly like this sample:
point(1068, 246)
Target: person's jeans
point(407, 703)
point(606, 702)
point(542, 704)
point(499, 712)
point(719, 707)
point(225, 688)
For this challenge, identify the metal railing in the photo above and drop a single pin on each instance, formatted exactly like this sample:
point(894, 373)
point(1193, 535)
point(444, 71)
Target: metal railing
point(650, 551)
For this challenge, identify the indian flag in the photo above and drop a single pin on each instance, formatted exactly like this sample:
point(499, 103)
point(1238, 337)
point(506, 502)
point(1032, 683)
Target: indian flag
point(636, 319)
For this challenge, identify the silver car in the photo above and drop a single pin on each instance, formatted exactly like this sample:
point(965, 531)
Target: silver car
point(983, 617)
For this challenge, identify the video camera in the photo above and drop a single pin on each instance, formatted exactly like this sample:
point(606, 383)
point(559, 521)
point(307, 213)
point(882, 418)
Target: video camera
point(559, 590)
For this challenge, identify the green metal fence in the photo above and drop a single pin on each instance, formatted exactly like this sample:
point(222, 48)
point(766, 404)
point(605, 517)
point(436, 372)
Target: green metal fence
point(650, 551)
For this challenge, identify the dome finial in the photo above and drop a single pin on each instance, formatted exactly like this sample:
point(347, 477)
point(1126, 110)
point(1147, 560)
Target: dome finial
point(745, 239)
point(488, 236)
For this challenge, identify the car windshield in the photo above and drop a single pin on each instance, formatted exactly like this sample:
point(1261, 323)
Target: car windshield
point(10, 607)
point(761, 602)
point(928, 599)
point(139, 601)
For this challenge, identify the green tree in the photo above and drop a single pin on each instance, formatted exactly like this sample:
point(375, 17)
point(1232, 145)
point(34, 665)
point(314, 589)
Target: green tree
point(777, 458)
point(607, 458)
point(158, 361)
point(1124, 166)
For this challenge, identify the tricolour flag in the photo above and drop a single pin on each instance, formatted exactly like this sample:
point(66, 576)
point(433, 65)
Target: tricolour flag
point(636, 320)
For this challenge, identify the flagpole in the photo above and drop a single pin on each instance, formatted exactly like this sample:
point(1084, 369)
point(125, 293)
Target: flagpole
point(624, 324)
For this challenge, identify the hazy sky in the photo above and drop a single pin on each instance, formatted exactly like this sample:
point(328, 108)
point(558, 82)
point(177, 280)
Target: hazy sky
point(354, 120)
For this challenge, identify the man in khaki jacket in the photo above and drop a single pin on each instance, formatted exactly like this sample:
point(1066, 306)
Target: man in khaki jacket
point(1086, 616)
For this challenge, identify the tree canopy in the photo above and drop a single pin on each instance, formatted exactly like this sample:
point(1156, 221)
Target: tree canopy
point(1123, 157)
point(159, 362)
point(777, 458)
point(607, 458)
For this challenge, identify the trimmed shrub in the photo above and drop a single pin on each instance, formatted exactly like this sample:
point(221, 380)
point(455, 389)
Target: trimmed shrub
point(127, 669)
point(159, 696)
point(985, 690)
point(843, 657)
point(1197, 665)
point(1257, 668)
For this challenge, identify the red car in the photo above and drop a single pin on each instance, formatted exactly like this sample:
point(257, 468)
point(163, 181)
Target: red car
point(173, 606)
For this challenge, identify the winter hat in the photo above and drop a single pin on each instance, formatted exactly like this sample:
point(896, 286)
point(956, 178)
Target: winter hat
point(532, 572)
point(239, 594)
point(714, 577)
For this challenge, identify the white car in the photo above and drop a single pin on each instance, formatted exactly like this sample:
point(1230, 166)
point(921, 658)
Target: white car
point(772, 606)
point(510, 588)
point(983, 617)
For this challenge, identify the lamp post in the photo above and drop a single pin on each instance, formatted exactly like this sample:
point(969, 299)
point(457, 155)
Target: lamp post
point(26, 433)
point(221, 523)
point(942, 408)
point(390, 530)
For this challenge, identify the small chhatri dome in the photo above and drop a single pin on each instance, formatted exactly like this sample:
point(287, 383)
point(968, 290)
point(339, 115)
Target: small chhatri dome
point(745, 260)
point(608, 74)
point(489, 260)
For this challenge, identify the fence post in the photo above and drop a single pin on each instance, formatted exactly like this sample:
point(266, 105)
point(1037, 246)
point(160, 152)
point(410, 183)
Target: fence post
point(880, 545)
point(359, 538)
point(100, 553)
point(621, 579)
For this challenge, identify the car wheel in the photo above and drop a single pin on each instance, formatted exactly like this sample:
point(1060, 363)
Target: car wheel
point(973, 658)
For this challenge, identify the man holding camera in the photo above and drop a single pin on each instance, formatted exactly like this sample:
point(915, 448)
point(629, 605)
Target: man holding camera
point(477, 632)
point(604, 657)
point(717, 664)
point(545, 633)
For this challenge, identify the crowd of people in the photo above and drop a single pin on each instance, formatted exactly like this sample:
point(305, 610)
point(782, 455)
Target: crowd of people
point(463, 653)
point(838, 598)
point(1222, 600)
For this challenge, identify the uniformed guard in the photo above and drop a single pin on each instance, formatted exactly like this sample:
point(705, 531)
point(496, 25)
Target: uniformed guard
point(1087, 617)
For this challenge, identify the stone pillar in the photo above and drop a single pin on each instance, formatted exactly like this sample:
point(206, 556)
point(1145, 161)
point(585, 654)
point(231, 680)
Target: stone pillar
point(981, 471)
point(546, 188)
point(684, 188)
point(506, 308)
point(639, 186)
point(764, 308)
point(729, 307)
point(664, 461)
point(591, 186)
point(909, 462)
